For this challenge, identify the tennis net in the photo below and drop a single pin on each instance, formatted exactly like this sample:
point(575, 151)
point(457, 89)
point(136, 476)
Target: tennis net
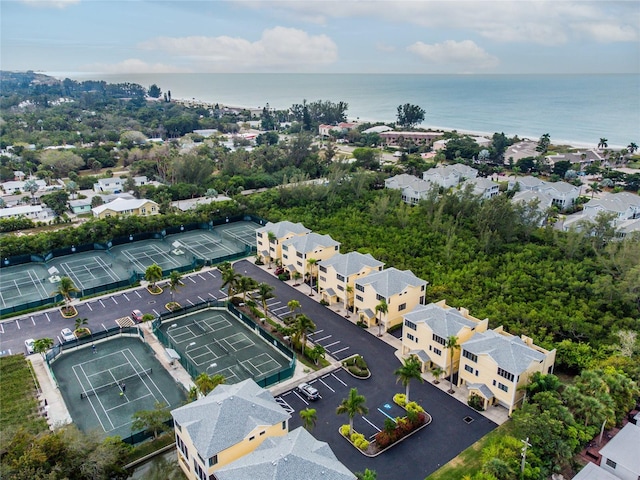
point(199, 327)
point(116, 383)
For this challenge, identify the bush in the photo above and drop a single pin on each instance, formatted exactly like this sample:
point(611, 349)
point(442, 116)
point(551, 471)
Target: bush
point(356, 438)
point(476, 403)
point(344, 430)
point(414, 407)
point(400, 399)
point(363, 445)
point(324, 302)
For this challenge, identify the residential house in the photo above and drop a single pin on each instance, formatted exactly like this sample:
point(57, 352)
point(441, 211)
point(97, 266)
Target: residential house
point(337, 275)
point(115, 185)
point(271, 248)
point(398, 182)
point(297, 251)
point(621, 455)
point(401, 290)
point(33, 212)
point(582, 158)
point(296, 456)
point(450, 175)
point(80, 206)
point(18, 175)
point(123, 207)
point(520, 150)
point(428, 327)
point(227, 424)
point(417, 190)
point(13, 187)
point(591, 471)
point(496, 365)
point(394, 138)
point(563, 194)
point(542, 201)
point(623, 205)
point(529, 183)
point(483, 187)
point(342, 127)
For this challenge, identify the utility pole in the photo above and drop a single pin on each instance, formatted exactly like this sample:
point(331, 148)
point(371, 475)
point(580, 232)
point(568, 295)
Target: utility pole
point(524, 455)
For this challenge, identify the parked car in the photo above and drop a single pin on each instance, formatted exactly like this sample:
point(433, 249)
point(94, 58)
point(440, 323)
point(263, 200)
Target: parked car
point(308, 391)
point(29, 345)
point(67, 335)
point(136, 315)
point(279, 271)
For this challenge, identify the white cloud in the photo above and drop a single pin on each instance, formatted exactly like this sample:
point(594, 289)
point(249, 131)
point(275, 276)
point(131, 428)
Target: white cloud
point(606, 32)
point(133, 65)
point(278, 48)
point(465, 55)
point(50, 3)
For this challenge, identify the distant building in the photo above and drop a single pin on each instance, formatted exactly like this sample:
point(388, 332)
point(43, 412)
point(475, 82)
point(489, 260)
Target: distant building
point(337, 275)
point(80, 206)
point(115, 185)
point(420, 138)
point(450, 175)
point(624, 206)
point(271, 248)
point(483, 187)
point(121, 207)
point(33, 212)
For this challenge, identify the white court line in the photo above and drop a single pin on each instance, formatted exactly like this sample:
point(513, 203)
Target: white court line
point(128, 401)
point(90, 402)
point(341, 350)
point(142, 378)
point(331, 344)
point(339, 380)
point(99, 401)
point(365, 419)
point(321, 381)
point(136, 292)
point(47, 315)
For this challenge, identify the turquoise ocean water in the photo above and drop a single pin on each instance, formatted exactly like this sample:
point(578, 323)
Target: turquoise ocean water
point(577, 109)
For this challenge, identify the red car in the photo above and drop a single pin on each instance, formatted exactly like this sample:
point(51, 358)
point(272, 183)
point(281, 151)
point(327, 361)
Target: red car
point(279, 271)
point(137, 316)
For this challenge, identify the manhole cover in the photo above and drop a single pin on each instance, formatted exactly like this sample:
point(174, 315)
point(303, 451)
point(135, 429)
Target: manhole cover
point(468, 419)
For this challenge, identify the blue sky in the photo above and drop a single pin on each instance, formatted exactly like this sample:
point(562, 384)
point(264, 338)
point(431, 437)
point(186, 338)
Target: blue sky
point(325, 36)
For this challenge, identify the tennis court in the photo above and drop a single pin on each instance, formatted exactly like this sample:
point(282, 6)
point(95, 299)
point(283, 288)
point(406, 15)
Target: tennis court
point(90, 269)
point(203, 244)
point(218, 343)
point(22, 284)
point(103, 390)
point(241, 232)
point(142, 254)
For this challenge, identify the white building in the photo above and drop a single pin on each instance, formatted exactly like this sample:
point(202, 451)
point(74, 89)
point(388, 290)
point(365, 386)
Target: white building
point(450, 175)
point(111, 185)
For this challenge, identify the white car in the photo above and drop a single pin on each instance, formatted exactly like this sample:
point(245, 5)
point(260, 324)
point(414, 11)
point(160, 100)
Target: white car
point(67, 335)
point(308, 391)
point(29, 345)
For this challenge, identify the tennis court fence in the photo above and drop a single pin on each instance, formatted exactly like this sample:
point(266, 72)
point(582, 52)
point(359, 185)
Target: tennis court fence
point(116, 383)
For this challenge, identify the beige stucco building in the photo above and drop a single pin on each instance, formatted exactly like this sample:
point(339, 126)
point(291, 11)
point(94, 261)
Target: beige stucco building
point(401, 290)
point(427, 328)
point(337, 275)
point(297, 251)
point(271, 248)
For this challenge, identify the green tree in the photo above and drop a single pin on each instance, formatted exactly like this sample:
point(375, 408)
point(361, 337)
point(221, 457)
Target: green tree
point(543, 144)
point(632, 147)
point(451, 345)
point(311, 263)
point(152, 421)
point(65, 289)
point(61, 162)
point(230, 279)
point(153, 274)
point(205, 383)
point(353, 405)
point(154, 91)
point(316, 353)
point(175, 282)
point(409, 370)
point(32, 187)
point(41, 345)
point(302, 326)
point(81, 323)
point(56, 201)
point(309, 417)
point(265, 292)
point(367, 475)
point(437, 373)
point(603, 143)
point(347, 299)
point(381, 309)
point(164, 469)
point(272, 239)
point(246, 284)
point(409, 115)
point(72, 188)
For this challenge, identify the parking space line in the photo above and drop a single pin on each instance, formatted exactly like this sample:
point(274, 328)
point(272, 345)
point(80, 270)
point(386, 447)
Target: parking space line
point(365, 419)
point(47, 315)
point(300, 397)
point(58, 337)
point(33, 321)
point(201, 299)
point(212, 274)
point(333, 375)
point(102, 304)
point(18, 324)
point(288, 408)
point(114, 300)
point(341, 350)
point(316, 340)
point(1, 328)
point(201, 277)
point(154, 311)
point(224, 294)
point(316, 332)
point(89, 307)
point(125, 296)
point(192, 280)
point(136, 292)
point(387, 415)
point(192, 304)
point(212, 296)
point(320, 380)
point(103, 326)
point(331, 344)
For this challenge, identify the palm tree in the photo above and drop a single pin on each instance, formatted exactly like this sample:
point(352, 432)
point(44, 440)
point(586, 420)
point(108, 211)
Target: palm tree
point(452, 345)
point(594, 188)
point(437, 373)
point(205, 383)
point(632, 147)
point(296, 278)
point(311, 262)
point(382, 308)
point(410, 369)
point(72, 187)
point(367, 475)
point(230, 279)
point(603, 143)
point(153, 274)
point(316, 353)
point(294, 305)
point(175, 282)
point(272, 239)
point(347, 298)
point(65, 288)
point(353, 405)
point(303, 326)
point(81, 323)
point(32, 187)
point(265, 292)
point(245, 284)
point(309, 418)
point(41, 345)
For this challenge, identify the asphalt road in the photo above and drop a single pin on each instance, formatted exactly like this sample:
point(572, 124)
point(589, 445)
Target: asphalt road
point(412, 459)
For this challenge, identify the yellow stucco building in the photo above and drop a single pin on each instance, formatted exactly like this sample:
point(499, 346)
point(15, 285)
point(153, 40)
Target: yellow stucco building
point(126, 207)
point(270, 237)
point(297, 251)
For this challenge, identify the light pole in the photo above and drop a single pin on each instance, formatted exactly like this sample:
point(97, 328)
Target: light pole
point(213, 365)
point(190, 345)
point(524, 455)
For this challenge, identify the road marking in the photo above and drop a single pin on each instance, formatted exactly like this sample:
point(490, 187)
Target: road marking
point(89, 306)
point(103, 326)
point(330, 344)
point(102, 304)
point(114, 300)
point(387, 415)
point(18, 324)
point(192, 280)
point(338, 380)
point(136, 292)
point(320, 380)
point(1, 328)
point(125, 296)
point(201, 277)
point(316, 340)
point(365, 419)
point(212, 274)
point(341, 350)
point(316, 332)
point(47, 315)
point(212, 296)
point(224, 294)
point(192, 304)
point(33, 321)
point(154, 311)
point(288, 408)
point(201, 299)
point(300, 397)
point(58, 337)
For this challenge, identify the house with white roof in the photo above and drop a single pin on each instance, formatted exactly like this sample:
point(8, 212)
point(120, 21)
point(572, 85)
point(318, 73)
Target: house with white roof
point(427, 328)
point(298, 250)
point(564, 194)
point(113, 184)
point(398, 182)
point(520, 150)
point(270, 237)
point(33, 212)
point(417, 190)
point(13, 186)
point(483, 187)
point(377, 129)
point(621, 455)
point(624, 206)
point(229, 423)
point(591, 471)
point(401, 290)
point(495, 365)
point(396, 138)
point(123, 207)
point(529, 183)
point(338, 274)
point(296, 456)
point(450, 175)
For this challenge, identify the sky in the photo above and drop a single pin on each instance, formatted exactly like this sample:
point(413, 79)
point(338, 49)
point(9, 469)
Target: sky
point(320, 36)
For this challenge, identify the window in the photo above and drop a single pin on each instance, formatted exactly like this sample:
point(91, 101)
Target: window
point(284, 425)
point(422, 288)
point(438, 339)
point(299, 264)
point(285, 247)
point(323, 269)
point(213, 460)
point(199, 471)
point(359, 298)
point(468, 368)
point(410, 325)
point(262, 433)
point(410, 337)
point(285, 256)
point(143, 210)
point(336, 249)
point(341, 288)
point(380, 298)
point(340, 277)
point(359, 287)
point(503, 387)
point(470, 356)
point(299, 254)
point(611, 463)
point(252, 438)
point(259, 242)
point(437, 351)
point(182, 447)
point(323, 279)
point(403, 306)
point(505, 374)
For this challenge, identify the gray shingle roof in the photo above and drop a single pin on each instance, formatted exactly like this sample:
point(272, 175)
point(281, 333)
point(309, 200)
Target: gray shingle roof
point(296, 456)
point(391, 281)
point(509, 353)
point(444, 322)
point(227, 415)
point(350, 263)
point(482, 388)
point(624, 448)
point(308, 243)
point(282, 229)
point(591, 471)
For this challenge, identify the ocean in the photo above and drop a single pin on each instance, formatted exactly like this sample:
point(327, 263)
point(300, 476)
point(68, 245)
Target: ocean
point(573, 109)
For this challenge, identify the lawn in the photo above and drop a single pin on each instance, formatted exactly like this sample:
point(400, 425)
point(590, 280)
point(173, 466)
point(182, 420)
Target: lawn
point(18, 402)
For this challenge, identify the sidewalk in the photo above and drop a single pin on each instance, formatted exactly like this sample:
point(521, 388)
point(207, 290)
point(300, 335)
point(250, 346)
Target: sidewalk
point(51, 402)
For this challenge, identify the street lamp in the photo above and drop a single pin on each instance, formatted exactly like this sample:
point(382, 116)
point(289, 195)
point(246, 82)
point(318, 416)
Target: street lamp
point(213, 365)
point(190, 345)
